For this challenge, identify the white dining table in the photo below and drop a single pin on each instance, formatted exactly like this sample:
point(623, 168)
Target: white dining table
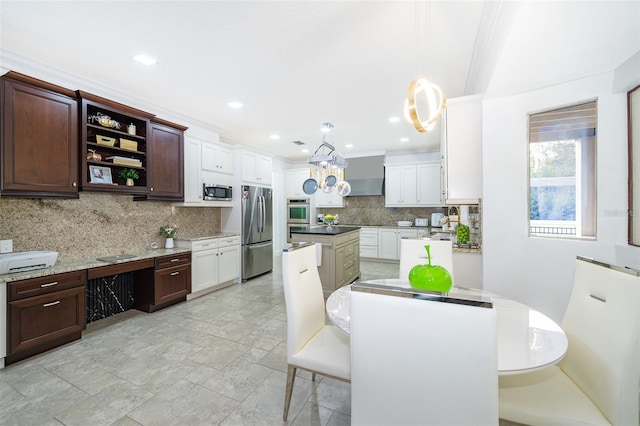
point(527, 339)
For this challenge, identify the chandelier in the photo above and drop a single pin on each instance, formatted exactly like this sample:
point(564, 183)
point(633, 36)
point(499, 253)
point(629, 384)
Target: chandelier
point(326, 169)
point(425, 101)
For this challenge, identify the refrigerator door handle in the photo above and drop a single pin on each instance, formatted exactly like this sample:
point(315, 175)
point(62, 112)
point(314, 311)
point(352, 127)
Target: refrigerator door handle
point(259, 208)
point(263, 214)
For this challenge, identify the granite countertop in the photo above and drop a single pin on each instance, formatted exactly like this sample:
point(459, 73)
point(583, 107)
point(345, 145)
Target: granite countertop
point(396, 227)
point(79, 264)
point(433, 233)
point(217, 235)
point(325, 230)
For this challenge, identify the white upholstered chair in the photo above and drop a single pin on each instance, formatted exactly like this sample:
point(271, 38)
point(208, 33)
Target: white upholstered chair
point(421, 361)
point(311, 344)
point(412, 253)
point(597, 381)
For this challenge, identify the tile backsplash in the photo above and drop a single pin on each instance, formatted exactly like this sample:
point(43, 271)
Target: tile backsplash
point(97, 224)
point(370, 211)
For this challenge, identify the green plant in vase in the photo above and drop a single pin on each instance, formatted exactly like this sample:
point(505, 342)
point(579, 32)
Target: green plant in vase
point(430, 277)
point(130, 175)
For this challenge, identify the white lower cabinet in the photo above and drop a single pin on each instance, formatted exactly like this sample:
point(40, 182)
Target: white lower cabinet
point(387, 246)
point(215, 263)
point(389, 241)
point(229, 259)
point(369, 242)
point(204, 267)
point(467, 268)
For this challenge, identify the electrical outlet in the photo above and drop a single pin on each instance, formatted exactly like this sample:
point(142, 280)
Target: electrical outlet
point(6, 246)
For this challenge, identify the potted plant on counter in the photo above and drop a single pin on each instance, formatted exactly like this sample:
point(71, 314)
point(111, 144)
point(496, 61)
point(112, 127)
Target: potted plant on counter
point(129, 175)
point(168, 231)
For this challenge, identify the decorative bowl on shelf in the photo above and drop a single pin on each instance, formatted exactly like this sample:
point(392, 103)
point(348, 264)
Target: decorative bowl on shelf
point(104, 121)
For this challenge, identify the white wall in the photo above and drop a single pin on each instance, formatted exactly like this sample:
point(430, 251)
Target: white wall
point(539, 271)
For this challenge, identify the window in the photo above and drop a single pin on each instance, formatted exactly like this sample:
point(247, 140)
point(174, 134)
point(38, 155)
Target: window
point(562, 172)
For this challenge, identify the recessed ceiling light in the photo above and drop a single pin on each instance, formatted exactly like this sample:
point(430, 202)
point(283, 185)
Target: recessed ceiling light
point(349, 145)
point(145, 59)
point(394, 119)
point(305, 150)
point(404, 140)
point(275, 137)
point(235, 105)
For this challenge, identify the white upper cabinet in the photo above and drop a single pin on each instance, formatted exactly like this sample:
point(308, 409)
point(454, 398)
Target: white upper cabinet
point(462, 150)
point(293, 180)
point(256, 168)
point(429, 192)
point(216, 158)
point(195, 173)
point(331, 199)
point(413, 185)
point(400, 186)
point(192, 171)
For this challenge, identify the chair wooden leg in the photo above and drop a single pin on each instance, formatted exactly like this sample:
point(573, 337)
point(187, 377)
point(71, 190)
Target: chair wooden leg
point(291, 376)
point(313, 377)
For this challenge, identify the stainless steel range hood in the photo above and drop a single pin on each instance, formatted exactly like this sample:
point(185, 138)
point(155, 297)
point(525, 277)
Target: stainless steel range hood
point(365, 175)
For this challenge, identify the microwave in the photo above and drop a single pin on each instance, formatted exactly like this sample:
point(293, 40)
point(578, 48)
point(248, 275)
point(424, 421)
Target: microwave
point(211, 192)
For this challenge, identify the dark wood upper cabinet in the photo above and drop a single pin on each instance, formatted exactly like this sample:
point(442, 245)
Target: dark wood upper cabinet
point(39, 138)
point(55, 142)
point(166, 161)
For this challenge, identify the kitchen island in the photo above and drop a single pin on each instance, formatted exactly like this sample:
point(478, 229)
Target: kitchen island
point(340, 259)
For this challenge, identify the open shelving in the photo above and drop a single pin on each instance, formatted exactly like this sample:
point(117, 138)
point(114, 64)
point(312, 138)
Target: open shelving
point(109, 120)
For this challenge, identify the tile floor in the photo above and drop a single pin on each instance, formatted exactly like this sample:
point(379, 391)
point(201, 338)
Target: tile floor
point(216, 360)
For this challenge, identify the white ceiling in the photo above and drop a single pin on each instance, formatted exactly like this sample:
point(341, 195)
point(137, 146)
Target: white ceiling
point(298, 64)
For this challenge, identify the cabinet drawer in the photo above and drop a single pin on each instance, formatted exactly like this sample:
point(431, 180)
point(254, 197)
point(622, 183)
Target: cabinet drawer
point(367, 251)
point(348, 249)
point(348, 274)
point(172, 284)
point(174, 260)
point(204, 244)
point(342, 239)
point(349, 261)
point(369, 239)
point(43, 285)
point(229, 241)
point(35, 321)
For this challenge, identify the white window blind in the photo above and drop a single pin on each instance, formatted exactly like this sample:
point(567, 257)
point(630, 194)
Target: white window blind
point(572, 122)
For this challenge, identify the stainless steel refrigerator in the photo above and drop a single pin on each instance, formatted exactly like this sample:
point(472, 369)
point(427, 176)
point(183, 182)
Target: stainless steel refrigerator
point(257, 231)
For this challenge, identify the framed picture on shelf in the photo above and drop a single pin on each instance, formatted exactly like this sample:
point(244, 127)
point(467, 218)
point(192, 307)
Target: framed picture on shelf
point(100, 174)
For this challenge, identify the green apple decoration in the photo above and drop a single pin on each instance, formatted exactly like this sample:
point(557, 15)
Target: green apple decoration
point(430, 277)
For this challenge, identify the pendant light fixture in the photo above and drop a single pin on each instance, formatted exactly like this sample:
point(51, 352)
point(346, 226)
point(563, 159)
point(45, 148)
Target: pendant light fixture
point(425, 101)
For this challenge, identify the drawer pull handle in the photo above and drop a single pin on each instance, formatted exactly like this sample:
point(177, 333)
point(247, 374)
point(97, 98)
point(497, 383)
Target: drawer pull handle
point(175, 260)
point(48, 284)
point(174, 273)
point(46, 305)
